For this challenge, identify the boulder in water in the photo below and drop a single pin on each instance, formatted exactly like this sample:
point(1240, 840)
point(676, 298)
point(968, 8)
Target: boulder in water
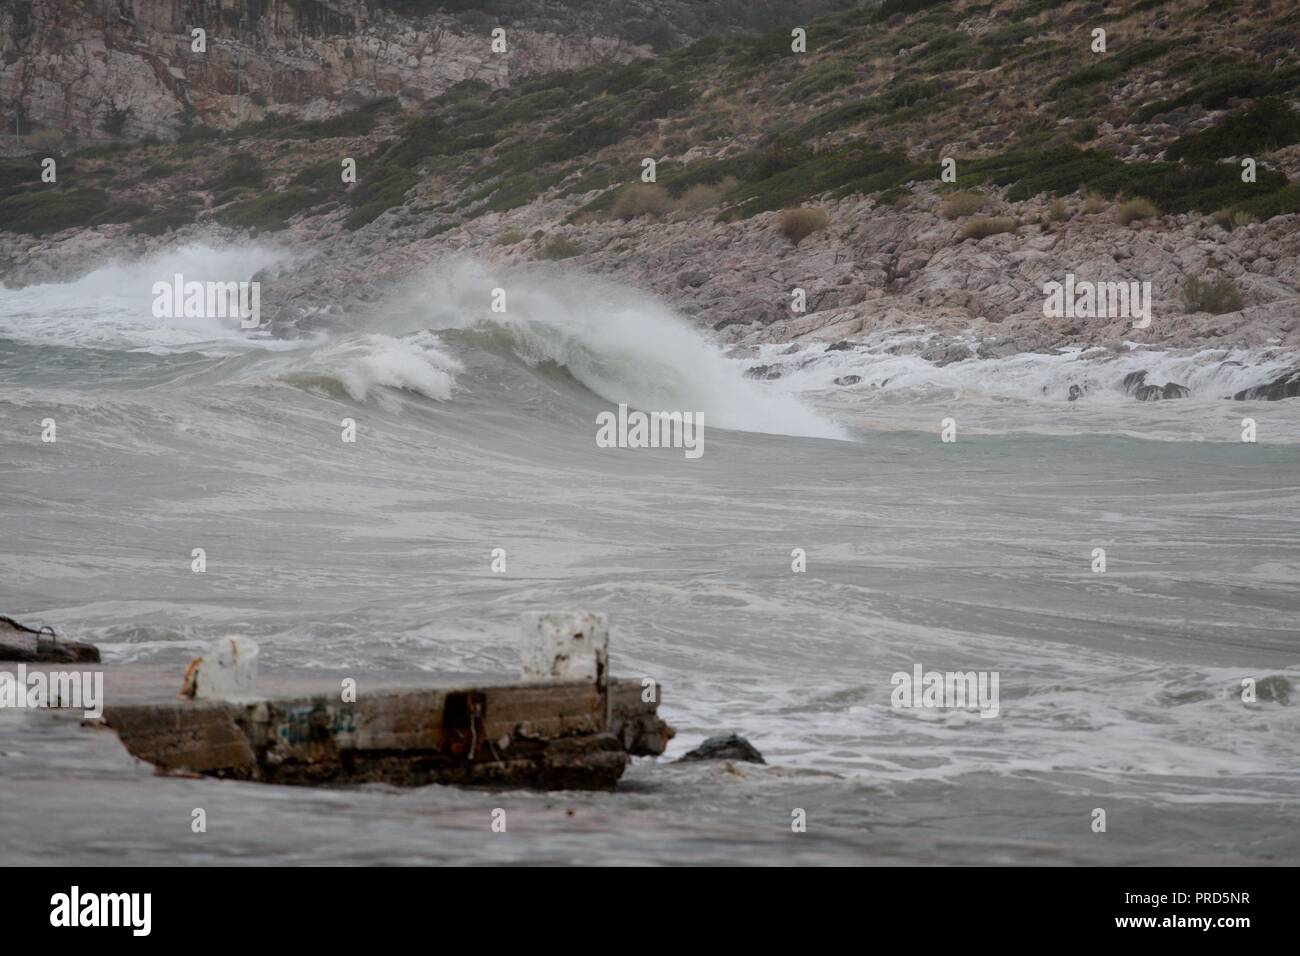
point(1285, 386)
point(728, 747)
point(1132, 381)
point(1276, 689)
point(1154, 393)
point(848, 380)
point(1076, 393)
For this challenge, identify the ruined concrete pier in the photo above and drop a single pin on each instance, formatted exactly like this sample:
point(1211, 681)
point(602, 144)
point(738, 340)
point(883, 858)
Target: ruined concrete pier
point(565, 725)
point(403, 729)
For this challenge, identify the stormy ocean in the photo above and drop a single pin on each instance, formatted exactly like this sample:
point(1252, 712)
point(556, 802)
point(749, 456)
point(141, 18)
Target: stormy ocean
point(1119, 689)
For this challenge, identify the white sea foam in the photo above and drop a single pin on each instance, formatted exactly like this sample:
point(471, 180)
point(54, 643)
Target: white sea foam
point(363, 363)
point(112, 306)
point(890, 368)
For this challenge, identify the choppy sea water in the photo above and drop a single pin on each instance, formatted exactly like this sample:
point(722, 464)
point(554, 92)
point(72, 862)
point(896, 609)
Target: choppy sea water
point(475, 430)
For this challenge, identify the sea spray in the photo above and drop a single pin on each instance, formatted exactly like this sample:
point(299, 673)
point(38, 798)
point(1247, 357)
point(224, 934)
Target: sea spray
point(622, 344)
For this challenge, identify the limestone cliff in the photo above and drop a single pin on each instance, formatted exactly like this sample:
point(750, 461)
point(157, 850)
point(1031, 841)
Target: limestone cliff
point(128, 67)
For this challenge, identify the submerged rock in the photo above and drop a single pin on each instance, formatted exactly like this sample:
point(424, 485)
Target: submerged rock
point(730, 747)
point(763, 372)
point(1076, 393)
point(848, 380)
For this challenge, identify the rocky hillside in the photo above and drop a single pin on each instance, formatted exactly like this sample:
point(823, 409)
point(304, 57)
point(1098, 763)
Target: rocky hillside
point(114, 68)
point(778, 170)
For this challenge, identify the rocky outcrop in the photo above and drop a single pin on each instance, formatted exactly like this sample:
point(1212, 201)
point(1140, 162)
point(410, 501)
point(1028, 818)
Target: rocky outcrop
point(1284, 386)
point(25, 645)
point(129, 67)
point(1135, 384)
point(728, 747)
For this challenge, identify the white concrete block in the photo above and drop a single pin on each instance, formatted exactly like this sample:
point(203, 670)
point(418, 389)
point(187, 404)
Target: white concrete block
point(566, 645)
point(228, 669)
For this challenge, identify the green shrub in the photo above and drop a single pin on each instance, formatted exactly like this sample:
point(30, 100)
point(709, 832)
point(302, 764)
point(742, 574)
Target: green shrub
point(1280, 203)
point(162, 222)
point(242, 170)
point(357, 122)
point(891, 7)
point(272, 211)
point(1216, 297)
point(840, 171)
point(1214, 92)
point(50, 209)
point(379, 192)
point(1114, 64)
point(822, 78)
point(841, 117)
point(1266, 126)
point(657, 105)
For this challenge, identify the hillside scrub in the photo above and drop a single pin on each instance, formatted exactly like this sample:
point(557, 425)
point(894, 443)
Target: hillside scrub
point(798, 224)
point(1216, 296)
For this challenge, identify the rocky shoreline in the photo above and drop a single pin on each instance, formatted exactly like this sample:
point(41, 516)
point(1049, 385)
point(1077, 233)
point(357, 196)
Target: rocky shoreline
point(876, 268)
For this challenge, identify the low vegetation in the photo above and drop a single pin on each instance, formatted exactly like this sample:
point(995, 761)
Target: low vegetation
point(1135, 210)
point(560, 247)
point(1215, 296)
point(960, 204)
point(642, 199)
point(984, 227)
point(778, 133)
point(798, 224)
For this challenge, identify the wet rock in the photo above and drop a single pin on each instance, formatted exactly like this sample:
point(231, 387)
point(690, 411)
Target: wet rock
point(1156, 393)
point(945, 353)
point(1276, 689)
point(1076, 393)
point(23, 644)
point(763, 372)
point(730, 747)
point(1132, 381)
point(841, 346)
point(848, 380)
point(1285, 386)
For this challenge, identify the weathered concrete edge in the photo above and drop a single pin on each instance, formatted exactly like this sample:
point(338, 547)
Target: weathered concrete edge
point(552, 735)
